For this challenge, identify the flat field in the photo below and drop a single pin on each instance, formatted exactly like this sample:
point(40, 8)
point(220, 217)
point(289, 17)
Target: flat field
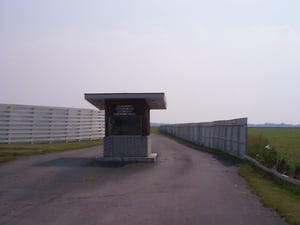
point(285, 140)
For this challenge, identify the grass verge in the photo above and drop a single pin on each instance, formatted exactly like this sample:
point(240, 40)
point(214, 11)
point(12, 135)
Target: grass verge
point(274, 193)
point(155, 130)
point(10, 152)
point(285, 143)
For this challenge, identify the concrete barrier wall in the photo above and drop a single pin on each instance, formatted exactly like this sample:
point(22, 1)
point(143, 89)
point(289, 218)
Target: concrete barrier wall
point(227, 135)
point(31, 124)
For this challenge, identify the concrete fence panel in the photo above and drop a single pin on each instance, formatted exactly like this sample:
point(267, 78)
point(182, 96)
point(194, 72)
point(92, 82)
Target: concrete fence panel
point(226, 135)
point(31, 124)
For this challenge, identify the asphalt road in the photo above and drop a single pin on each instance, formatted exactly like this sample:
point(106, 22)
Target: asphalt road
point(184, 187)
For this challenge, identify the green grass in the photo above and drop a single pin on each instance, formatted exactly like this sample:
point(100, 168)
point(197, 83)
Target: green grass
point(285, 140)
point(155, 130)
point(10, 152)
point(276, 194)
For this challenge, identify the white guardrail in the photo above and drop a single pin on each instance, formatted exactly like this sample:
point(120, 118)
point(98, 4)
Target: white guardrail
point(32, 124)
point(227, 135)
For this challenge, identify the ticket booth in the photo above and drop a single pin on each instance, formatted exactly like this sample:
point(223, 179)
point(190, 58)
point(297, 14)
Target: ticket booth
point(127, 124)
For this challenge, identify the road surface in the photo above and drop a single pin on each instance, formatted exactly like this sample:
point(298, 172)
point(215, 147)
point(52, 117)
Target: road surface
point(184, 186)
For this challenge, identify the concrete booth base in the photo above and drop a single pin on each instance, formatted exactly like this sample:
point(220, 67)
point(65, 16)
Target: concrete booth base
point(152, 157)
point(127, 124)
point(127, 146)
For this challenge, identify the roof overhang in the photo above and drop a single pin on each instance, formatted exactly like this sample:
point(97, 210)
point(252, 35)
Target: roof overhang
point(154, 100)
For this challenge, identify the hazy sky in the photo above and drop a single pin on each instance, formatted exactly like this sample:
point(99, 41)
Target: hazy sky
point(217, 59)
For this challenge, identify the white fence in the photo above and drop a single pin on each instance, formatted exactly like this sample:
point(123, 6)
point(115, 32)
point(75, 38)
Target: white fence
point(227, 135)
point(25, 123)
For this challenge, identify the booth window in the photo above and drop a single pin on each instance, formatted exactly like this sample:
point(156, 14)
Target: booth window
point(125, 125)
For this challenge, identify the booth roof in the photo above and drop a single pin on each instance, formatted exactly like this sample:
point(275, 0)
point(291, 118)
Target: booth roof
point(154, 100)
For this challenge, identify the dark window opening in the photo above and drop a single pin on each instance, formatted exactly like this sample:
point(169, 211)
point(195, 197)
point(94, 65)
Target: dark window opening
point(125, 125)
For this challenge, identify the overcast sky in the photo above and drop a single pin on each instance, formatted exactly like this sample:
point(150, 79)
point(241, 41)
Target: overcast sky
point(217, 59)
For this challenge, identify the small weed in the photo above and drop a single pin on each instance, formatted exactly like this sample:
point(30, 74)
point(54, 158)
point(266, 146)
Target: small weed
point(90, 178)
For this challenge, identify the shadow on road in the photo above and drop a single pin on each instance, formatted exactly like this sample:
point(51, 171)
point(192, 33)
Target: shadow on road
point(80, 162)
point(228, 162)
